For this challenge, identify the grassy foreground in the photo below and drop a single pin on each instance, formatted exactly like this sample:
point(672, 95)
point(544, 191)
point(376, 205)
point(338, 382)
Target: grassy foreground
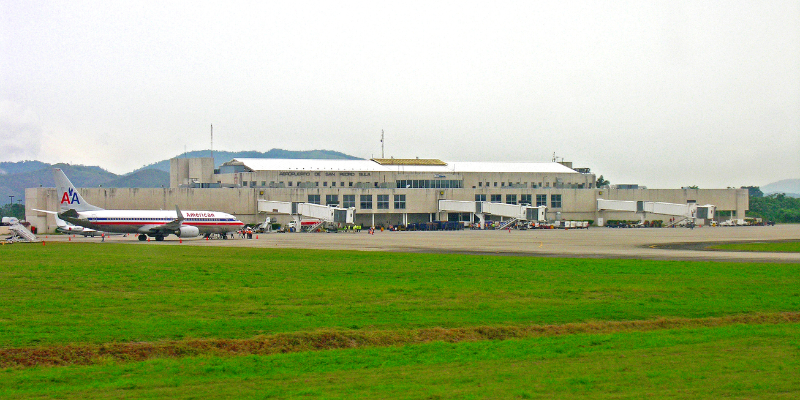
point(788, 247)
point(571, 327)
point(740, 361)
point(98, 293)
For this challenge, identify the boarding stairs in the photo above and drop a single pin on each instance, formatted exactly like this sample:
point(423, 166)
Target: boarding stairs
point(22, 233)
point(314, 227)
point(505, 224)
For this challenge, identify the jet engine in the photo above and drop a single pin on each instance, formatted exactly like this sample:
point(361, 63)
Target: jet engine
point(188, 231)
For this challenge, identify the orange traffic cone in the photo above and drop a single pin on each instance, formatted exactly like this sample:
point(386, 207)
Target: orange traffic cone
point(181, 240)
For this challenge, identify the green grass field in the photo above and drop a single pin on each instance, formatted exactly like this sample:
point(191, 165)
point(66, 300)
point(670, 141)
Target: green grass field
point(789, 247)
point(95, 320)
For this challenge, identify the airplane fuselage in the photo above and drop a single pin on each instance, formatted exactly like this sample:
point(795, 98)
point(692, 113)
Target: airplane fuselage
point(141, 221)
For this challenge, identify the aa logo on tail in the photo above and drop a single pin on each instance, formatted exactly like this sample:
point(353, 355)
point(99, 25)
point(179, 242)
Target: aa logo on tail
point(70, 197)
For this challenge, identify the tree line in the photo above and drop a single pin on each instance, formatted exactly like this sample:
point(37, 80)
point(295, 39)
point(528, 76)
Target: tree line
point(776, 207)
point(13, 210)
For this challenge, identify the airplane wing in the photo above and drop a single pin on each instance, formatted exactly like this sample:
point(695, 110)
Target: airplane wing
point(165, 229)
point(72, 217)
point(68, 227)
point(45, 211)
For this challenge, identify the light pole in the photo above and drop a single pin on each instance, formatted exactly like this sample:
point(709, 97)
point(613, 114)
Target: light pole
point(12, 199)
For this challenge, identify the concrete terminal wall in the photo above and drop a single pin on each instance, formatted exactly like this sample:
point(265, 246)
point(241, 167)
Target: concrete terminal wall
point(421, 205)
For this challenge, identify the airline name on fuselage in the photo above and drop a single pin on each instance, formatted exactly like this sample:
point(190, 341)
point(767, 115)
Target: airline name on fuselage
point(199, 214)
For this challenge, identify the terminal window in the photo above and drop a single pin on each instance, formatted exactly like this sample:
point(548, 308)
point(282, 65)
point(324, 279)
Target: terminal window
point(348, 200)
point(366, 202)
point(541, 200)
point(525, 199)
point(400, 201)
point(511, 199)
point(497, 198)
point(429, 184)
point(480, 197)
point(331, 200)
point(383, 201)
point(555, 201)
point(313, 198)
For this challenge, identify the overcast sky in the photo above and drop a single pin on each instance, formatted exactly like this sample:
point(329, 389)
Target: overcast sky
point(660, 93)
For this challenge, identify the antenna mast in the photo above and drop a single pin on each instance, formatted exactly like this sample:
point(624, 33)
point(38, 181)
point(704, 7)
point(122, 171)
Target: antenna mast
point(382, 156)
point(212, 143)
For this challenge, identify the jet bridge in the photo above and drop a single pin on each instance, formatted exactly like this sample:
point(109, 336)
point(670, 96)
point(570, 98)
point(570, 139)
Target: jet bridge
point(317, 212)
point(685, 212)
point(515, 212)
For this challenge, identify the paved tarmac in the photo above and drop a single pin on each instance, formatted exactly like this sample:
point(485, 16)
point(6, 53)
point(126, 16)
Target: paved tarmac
point(637, 243)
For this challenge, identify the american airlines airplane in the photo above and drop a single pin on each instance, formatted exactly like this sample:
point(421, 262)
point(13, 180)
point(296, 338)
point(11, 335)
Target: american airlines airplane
point(154, 223)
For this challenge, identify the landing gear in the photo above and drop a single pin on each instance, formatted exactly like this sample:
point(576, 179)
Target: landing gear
point(159, 238)
point(142, 237)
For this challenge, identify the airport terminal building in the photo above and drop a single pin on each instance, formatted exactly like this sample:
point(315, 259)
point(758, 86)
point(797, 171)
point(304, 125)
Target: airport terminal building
point(384, 191)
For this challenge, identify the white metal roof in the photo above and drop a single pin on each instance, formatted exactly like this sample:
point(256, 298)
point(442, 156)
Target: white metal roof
point(279, 164)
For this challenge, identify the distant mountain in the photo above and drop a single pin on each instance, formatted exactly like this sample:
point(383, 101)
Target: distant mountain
point(789, 186)
point(80, 175)
point(225, 156)
point(15, 177)
point(7, 168)
point(144, 178)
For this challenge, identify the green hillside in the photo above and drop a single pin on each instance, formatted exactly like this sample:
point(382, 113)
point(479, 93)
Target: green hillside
point(145, 178)
point(80, 175)
point(8, 168)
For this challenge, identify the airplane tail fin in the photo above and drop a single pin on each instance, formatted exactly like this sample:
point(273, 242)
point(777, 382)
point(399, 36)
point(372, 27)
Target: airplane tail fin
point(69, 196)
